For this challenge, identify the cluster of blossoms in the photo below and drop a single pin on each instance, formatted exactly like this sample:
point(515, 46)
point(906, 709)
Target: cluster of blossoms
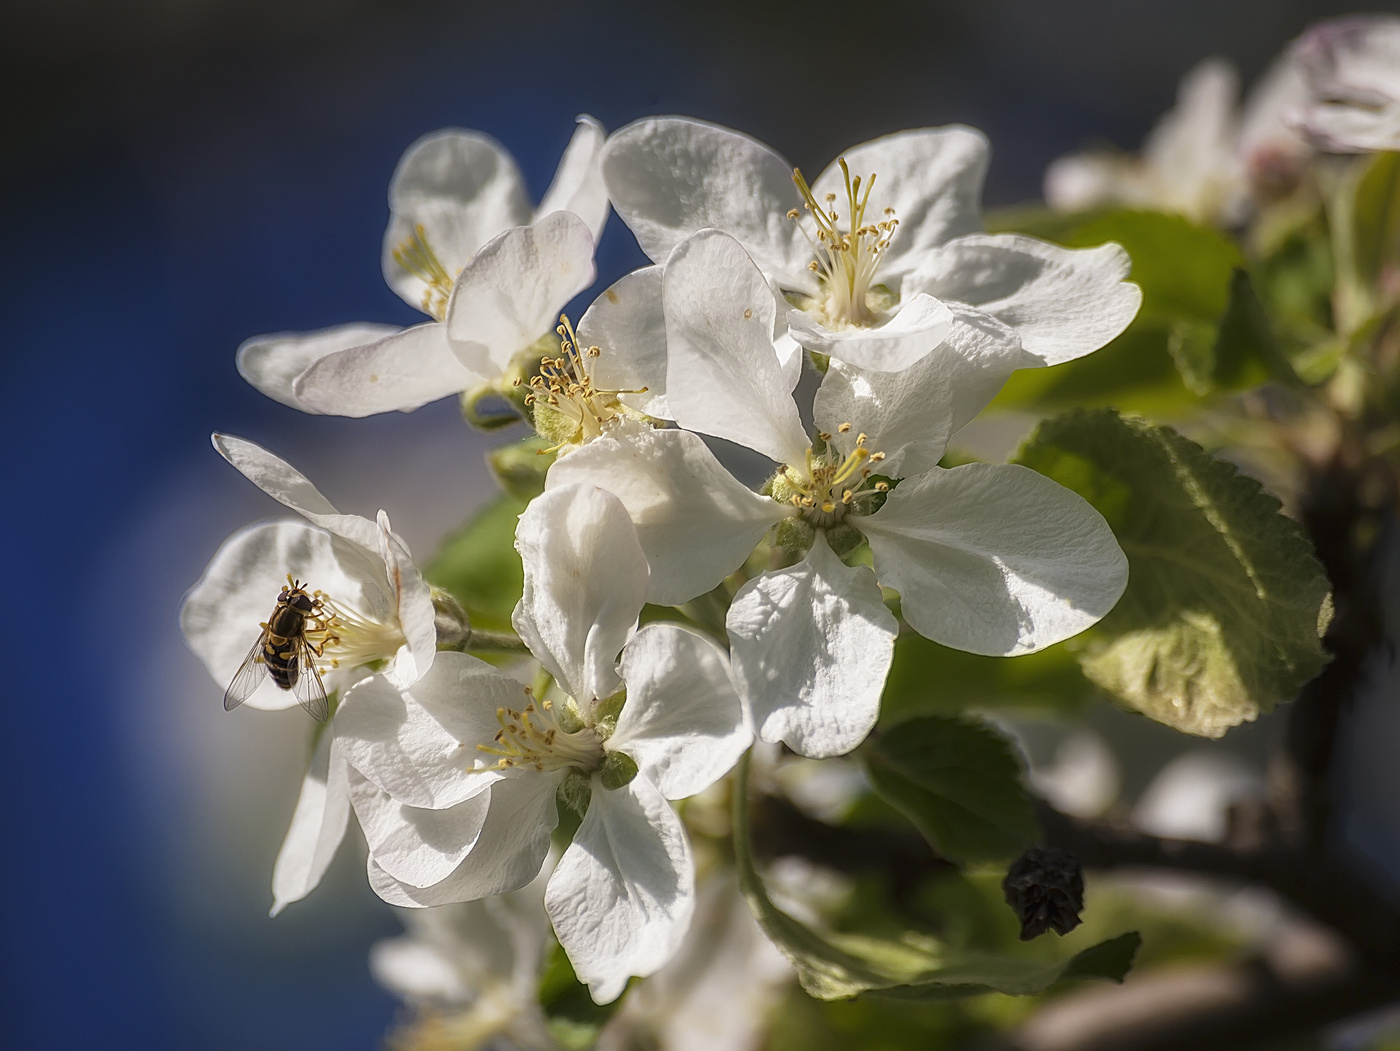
point(875, 282)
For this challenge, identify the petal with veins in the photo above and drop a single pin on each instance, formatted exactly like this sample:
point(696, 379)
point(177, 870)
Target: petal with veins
point(416, 846)
point(723, 376)
point(670, 177)
point(628, 327)
point(695, 521)
point(1062, 302)
point(512, 846)
point(995, 558)
point(273, 362)
point(578, 181)
point(920, 324)
point(622, 895)
point(463, 189)
point(811, 646)
point(398, 373)
point(420, 744)
point(683, 722)
point(511, 293)
point(318, 826)
point(585, 584)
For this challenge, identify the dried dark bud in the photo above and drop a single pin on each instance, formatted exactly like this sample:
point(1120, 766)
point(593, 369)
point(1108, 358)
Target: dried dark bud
point(1045, 887)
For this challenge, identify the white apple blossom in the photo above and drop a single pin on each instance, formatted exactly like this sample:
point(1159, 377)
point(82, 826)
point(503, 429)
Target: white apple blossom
point(1352, 66)
point(380, 614)
point(471, 971)
point(993, 559)
point(1206, 158)
point(455, 779)
point(464, 245)
point(873, 253)
point(719, 992)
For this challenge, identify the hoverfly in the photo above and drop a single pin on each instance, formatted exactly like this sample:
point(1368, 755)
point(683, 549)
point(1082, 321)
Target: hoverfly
point(284, 650)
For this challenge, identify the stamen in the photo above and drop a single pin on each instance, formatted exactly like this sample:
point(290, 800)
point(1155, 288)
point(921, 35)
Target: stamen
point(533, 738)
point(417, 257)
point(846, 261)
point(566, 385)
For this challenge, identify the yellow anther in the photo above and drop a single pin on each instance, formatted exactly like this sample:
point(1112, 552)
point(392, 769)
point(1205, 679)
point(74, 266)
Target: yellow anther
point(845, 428)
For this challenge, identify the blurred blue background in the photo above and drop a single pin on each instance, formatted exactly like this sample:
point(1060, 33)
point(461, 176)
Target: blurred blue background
point(179, 176)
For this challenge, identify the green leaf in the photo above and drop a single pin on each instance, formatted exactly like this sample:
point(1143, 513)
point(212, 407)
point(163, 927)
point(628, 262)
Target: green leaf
point(1376, 218)
point(959, 782)
point(1200, 329)
point(1226, 603)
point(480, 566)
point(926, 678)
point(834, 966)
point(573, 1018)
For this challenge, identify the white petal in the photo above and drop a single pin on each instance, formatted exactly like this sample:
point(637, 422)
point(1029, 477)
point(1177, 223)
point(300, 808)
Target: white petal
point(810, 646)
point(410, 968)
point(1062, 302)
point(463, 188)
point(622, 895)
point(1190, 154)
point(585, 583)
point(683, 722)
point(273, 362)
point(670, 177)
point(920, 324)
point(239, 588)
point(318, 826)
point(420, 744)
point(288, 486)
point(395, 374)
point(512, 846)
point(417, 846)
point(627, 325)
point(511, 293)
point(910, 415)
point(995, 558)
point(931, 177)
point(723, 376)
point(413, 602)
point(695, 522)
point(578, 181)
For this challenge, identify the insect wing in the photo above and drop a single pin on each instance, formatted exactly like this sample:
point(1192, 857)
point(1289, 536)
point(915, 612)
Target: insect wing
point(248, 677)
point(308, 688)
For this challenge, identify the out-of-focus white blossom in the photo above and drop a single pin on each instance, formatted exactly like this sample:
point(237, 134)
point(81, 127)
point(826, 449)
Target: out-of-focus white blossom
point(471, 972)
point(1352, 67)
point(1207, 158)
point(463, 245)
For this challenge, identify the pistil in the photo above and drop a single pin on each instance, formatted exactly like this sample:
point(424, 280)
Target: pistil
point(826, 488)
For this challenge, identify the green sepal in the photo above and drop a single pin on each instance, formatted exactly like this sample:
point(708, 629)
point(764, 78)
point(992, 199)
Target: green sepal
point(838, 965)
point(619, 770)
point(520, 467)
point(575, 791)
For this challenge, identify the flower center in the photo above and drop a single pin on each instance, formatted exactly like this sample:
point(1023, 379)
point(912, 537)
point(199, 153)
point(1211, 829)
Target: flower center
point(568, 407)
point(536, 738)
point(341, 636)
point(845, 259)
point(417, 257)
point(828, 486)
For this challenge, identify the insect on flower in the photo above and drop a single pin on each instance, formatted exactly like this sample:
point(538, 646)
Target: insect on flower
point(285, 650)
